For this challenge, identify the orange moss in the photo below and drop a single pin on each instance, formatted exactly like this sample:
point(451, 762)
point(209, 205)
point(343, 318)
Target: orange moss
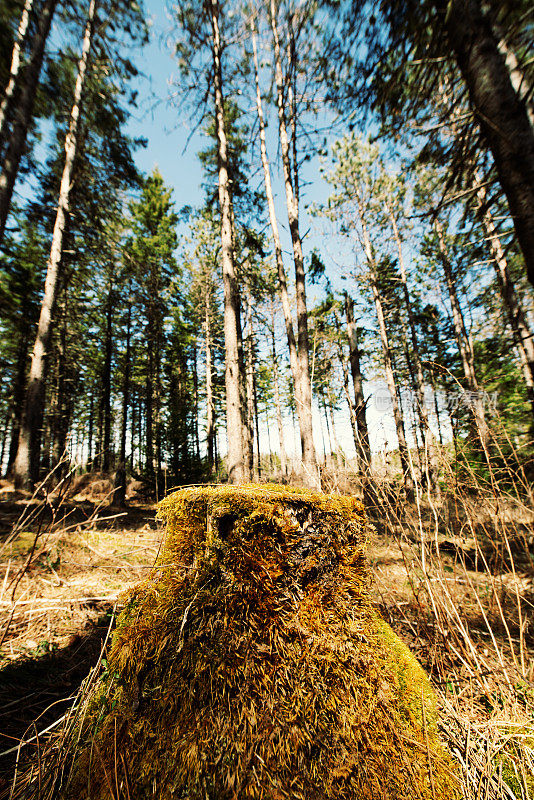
point(251, 664)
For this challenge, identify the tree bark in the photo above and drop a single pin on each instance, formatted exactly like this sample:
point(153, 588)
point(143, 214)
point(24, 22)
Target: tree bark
point(16, 62)
point(26, 467)
point(23, 113)
point(406, 467)
point(238, 468)
point(476, 401)
point(278, 406)
point(17, 403)
point(119, 495)
point(210, 406)
point(500, 111)
point(305, 417)
point(430, 465)
point(303, 414)
point(522, 334)
point(105, 398)
point(249, 382)
point(363, 448)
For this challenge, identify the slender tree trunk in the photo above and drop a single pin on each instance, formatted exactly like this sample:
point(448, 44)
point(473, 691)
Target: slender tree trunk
point(26, 467)
point(119, 495)
point(363, 449)
point(257, 475)
point(60, 418)
point(22, 114)
point(238, 468)
point(105, 400)
point(500, 111)
point(195, 403)
point(277, 403)
point(19, 387)
point(348, 398)
point(305, 417)
point(4, 442)
point(419, 380)
point(303, 412)
point(149, 414)
point(16, 63)
point(249, 377)
point(91, 423)
point(406, 466)
point(463, 342)
point(522, 334)
point(210, 406)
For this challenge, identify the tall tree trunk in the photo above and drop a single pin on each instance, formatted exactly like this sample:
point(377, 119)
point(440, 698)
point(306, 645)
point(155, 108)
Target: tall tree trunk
point(238, 468)
point(476, 401)
point(430, 465)
point(60, 418)
point(22, 114)
point(90, 435)
point(105, 399)
point(17, 402)
point(305, 417)
point(277, 403)
point(249, 382)
point(522, 334)
point(210, 405)
point(500, 111)
point(303, 413)
point(257, 474)
point(149, 415)
point(363, 449)
point(406, 466)
point(119, 494)
point(14, 70)
point(26, 467)
point(195, 402)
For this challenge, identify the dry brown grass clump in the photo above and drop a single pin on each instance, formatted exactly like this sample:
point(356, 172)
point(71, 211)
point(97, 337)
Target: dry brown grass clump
point(251, 664)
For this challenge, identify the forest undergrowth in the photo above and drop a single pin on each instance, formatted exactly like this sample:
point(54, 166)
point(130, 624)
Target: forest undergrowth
point(453, 574)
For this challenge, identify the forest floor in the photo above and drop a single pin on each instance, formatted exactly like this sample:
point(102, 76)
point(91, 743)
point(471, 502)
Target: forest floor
point(468, 618)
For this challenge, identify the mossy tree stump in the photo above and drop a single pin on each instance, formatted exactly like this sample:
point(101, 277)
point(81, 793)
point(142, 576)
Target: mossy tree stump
point(251, 664)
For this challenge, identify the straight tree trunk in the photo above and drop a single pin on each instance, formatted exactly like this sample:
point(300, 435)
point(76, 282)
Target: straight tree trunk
point(60, 418)
point(19, 388)
point(26, 467)
point(249, 382)
point(406, 466)
point(195, 402)
point(305, 418)
point(238, 468)
point(15, 68)
point(277, 403)
point(500, 111)
point(363, 449)
point(257, 473)
point(522, 334)
point(303, 412)
point(105, 400)
point(476, 401)
point(119, 495)
point(430, 465)
point(210, 406)
point(149, 415)
point(22, 114)
point(91, 424)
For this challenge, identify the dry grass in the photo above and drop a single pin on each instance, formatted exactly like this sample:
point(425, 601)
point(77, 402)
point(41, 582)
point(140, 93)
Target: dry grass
point(453, 576)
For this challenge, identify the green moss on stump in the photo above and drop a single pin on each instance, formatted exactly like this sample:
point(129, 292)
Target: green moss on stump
point(251, 664)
